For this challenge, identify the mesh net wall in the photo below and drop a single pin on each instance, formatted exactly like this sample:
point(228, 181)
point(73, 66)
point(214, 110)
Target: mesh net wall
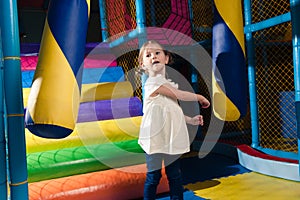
point(274, 78)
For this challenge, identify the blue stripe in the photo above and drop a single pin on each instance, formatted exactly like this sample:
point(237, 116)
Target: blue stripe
point(97, 75)
point(90, 75)
point(229, 58)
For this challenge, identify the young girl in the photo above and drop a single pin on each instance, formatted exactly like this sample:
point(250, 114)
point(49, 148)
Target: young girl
point(163, 133)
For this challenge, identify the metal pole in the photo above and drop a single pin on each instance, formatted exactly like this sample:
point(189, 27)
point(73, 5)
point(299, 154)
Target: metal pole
point(141, 20)
point(103, 20)
point(141, 28)
point(295, 14)
point(14, 101)
point(286, 17)
point(3, 169)
point(251, 76)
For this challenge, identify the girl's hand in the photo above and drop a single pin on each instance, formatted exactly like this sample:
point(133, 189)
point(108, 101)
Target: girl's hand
point(204, 103)
point(196, 120)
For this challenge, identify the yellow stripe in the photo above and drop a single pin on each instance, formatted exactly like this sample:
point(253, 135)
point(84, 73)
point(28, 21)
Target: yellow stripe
point(231, 12)
point(20, 183)
point(54, 97)
point(88, 133)
point(15, 115)
point(104, 91)
point(223, 107)
point(89, 6)
point(12, 58)
point(97, 91)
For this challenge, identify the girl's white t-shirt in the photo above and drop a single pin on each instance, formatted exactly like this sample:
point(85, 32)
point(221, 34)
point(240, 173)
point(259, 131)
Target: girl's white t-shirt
point(163, 128)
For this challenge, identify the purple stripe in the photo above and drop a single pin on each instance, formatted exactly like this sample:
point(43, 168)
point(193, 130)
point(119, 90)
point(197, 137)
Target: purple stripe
point(109, 109)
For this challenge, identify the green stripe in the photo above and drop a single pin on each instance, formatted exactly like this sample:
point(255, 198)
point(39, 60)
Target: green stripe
point(78, 160)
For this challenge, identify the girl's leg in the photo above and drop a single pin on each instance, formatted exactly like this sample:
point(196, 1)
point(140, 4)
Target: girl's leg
point(154, 163)
point(173, 172)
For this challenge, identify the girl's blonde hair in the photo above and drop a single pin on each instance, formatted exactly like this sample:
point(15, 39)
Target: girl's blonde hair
point(142, 50)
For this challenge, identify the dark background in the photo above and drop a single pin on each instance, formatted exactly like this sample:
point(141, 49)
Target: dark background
point(32, 15)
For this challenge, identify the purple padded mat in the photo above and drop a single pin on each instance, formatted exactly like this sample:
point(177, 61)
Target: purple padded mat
point(109, 109)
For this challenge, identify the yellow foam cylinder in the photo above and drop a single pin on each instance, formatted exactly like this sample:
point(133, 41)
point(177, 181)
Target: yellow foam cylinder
point(229, 62)
point(53, 102)
point(105, 91)
point(88, 133)
point(97, 91)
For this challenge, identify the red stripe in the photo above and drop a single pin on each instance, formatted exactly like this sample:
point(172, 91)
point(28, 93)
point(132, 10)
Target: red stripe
point(169, 21)
point(252, 152)
point(30, 62)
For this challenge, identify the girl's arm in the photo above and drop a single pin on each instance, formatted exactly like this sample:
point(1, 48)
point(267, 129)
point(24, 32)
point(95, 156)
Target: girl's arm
point(169, 91)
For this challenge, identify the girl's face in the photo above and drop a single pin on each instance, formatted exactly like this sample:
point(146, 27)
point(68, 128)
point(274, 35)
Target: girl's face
point(154, 59)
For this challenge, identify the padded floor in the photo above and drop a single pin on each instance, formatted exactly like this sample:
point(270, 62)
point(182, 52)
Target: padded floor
point(217, 177)
point(246, 186)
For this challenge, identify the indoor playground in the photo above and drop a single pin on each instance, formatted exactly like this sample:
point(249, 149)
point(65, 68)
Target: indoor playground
point(72, 103)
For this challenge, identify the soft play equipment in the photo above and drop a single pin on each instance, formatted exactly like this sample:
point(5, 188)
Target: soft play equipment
point(57, 79)
point(100, 140)
point(28, 62)
point(229, 69)
point(88, 133)
point(70, 160)
point(89, 75)
point(96, 91)
point(29, 59)
point(109, 109)
point(102, 91)
point(105, 134)
point(121, 183)
point(83, 159)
